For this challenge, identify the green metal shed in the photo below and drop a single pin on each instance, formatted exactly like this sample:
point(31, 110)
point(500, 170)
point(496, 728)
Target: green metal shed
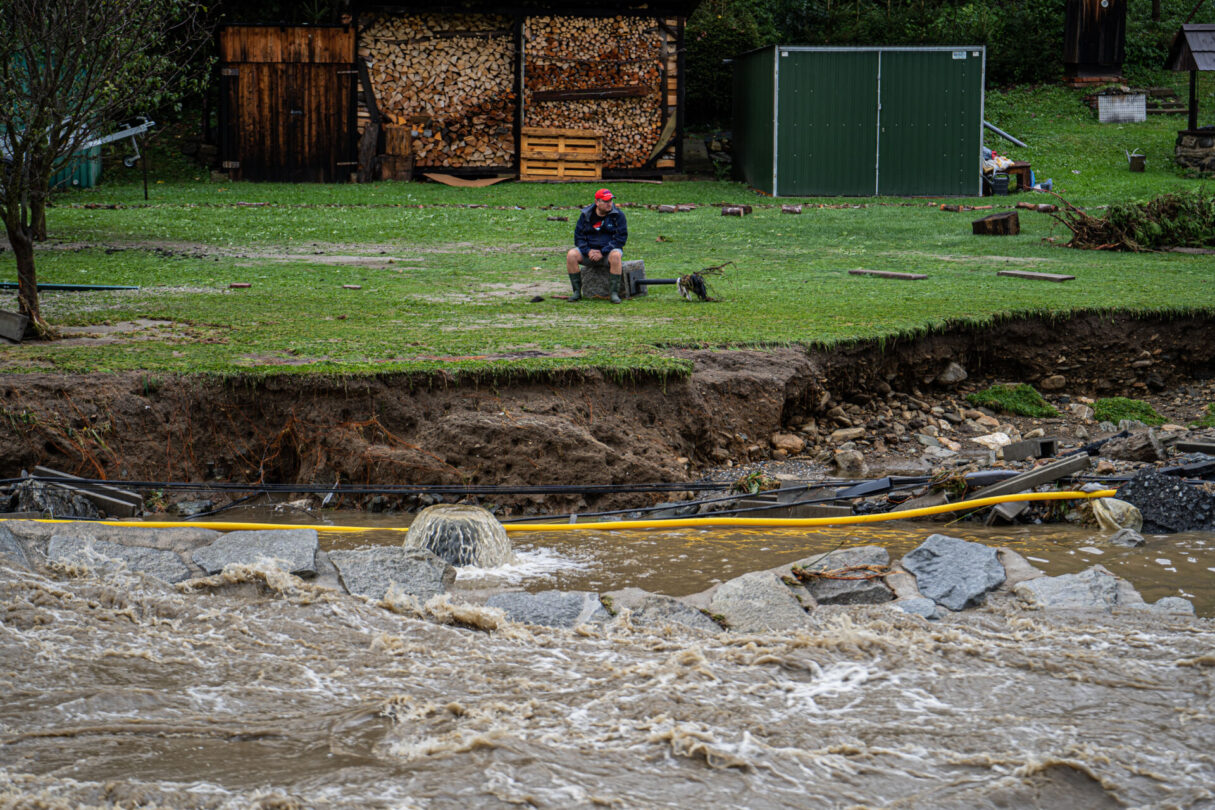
point(860, 121)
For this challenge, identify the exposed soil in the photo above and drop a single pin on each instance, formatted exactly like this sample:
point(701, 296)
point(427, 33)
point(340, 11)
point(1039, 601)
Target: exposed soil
point(584, 427)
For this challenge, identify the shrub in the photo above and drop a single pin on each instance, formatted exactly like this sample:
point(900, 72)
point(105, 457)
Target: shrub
point(1022, 400)
point(1115, 409)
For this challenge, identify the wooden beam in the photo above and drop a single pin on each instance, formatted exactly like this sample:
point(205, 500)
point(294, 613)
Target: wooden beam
point(888, 274)
point(1035, 276)
point(628, 91)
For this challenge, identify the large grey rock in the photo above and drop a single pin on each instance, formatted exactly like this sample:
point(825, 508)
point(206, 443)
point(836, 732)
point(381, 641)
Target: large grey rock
point(1143, 446)
point(758, 602)
point(848, 591)
point(1016, 568)
point(919, 606)
point(294, 550)
point(658, 610)
point(953, 572)
point(551, 608)
point(1173, 604)
point(45, 497)
point(1168, 504)
point(372, 572)
point(461, 534)
point(104, 557)
point(1127, 538)
point(1093, 588)
point(12, 548)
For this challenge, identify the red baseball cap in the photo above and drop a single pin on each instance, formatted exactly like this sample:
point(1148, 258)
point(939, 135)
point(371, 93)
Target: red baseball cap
point(603, 194)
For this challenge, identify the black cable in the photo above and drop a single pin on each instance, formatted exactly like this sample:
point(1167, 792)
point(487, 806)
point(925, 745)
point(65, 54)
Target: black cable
point(683, 504)
point(387, 489)
point(225, 508)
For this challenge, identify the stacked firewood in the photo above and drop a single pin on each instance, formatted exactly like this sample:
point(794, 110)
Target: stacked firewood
point(451, 77)
point(604, 74)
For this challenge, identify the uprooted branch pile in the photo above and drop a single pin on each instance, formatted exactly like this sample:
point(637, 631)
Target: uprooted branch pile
point(1176, 219)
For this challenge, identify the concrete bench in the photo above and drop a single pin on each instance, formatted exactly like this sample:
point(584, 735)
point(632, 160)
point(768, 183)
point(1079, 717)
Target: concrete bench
point(596, 278)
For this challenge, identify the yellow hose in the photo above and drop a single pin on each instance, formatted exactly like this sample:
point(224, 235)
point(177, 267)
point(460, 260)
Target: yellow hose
point(680, 523)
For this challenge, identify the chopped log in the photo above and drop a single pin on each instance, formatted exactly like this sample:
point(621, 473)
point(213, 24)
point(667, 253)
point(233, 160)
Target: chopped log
point(790, 209)
point(396, 167)
point(667, 209)
point(369, 162)
point(888, 274)
point(735, 210)
point(1042, 208)
point(1035, 276)
point(1006, 223)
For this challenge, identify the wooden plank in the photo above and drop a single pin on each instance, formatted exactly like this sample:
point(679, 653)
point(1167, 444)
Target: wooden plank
point(1036, 477)
point(888, 274)
point(1035, 276)
point(1195, 447)
point(554, 131)
point(626, 91)
point(586, 157)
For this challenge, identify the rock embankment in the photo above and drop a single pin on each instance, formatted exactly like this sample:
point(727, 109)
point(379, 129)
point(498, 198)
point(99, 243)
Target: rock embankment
point(942, 576)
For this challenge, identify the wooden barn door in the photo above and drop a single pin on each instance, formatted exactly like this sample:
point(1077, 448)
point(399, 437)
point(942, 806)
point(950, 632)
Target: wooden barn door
point(288, 99)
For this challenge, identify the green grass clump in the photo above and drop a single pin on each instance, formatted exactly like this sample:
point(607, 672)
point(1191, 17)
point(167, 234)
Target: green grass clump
point(1208, 418)
point(1115, 409)
point(1022, 400)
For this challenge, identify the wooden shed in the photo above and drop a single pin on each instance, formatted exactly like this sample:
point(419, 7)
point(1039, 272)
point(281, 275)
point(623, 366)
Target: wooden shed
point(288, 102)
point(545, 89)
point(1094, 40)
point(1193, 50)
point(474, 82)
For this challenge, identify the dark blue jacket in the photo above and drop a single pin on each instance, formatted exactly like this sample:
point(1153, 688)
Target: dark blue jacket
point(611, 234)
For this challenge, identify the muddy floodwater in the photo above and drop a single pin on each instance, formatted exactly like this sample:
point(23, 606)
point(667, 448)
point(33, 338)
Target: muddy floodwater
point(267, 691)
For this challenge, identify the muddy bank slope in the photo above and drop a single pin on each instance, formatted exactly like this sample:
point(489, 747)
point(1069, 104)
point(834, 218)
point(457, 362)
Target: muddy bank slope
point(567, 428)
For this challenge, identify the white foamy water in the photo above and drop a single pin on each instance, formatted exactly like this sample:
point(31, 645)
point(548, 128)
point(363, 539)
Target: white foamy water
point(262, 690)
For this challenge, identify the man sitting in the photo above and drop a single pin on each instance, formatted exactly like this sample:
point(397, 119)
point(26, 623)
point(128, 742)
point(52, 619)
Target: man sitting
point(601, 232)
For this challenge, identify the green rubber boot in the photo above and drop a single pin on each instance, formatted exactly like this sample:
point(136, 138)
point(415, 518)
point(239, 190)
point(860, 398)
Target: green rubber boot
point(614, 287)
point(576, 284)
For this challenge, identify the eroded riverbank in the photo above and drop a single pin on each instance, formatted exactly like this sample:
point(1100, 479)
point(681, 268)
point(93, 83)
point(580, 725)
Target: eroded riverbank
point(587, 428)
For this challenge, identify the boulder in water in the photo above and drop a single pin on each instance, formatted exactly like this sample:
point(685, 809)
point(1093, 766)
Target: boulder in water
point(461, 534)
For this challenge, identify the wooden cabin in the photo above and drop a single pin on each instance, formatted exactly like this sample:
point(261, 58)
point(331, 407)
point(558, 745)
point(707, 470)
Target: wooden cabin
point(1094, 40)
point(567, 90)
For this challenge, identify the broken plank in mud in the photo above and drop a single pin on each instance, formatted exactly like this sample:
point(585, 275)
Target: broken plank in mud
point(1045, 474)
point(1035, 276)
point(888, 274)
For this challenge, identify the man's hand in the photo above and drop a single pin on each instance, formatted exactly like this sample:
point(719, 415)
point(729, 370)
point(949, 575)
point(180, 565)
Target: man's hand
point(595, 255)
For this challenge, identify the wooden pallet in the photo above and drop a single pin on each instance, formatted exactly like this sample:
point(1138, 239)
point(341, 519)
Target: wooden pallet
point(541, 169)
point(560, 154)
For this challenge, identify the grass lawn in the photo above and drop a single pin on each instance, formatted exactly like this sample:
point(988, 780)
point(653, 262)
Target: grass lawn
point(447, 276)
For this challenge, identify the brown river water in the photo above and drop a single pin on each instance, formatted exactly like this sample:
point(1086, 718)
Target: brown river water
point(266, 691)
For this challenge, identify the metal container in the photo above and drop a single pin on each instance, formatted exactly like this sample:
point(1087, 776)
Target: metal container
point(1122, 109)
point(860, 121)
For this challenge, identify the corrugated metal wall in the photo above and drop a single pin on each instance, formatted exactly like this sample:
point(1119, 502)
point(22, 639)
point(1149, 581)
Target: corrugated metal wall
point(827, 122)
point(932, 118)
point(754, 119)
point(865, 121)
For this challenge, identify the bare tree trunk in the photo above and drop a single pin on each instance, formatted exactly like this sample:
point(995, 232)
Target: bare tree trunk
point(38, 215)
point(27, 281)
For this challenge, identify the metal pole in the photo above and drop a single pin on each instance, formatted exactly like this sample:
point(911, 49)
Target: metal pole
point(1004, 134)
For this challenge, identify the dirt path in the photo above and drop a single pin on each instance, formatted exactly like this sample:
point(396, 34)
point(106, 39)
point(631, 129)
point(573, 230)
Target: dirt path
point(570, 428)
